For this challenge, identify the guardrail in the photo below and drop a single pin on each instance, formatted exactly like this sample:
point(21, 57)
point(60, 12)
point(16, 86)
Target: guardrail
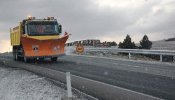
point(134, 51)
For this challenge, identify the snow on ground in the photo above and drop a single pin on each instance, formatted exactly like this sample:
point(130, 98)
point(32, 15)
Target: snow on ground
point(163, 45)
point(71, 50)
point(16, 84)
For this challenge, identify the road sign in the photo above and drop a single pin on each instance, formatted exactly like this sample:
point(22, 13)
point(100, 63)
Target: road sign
point(79, 48)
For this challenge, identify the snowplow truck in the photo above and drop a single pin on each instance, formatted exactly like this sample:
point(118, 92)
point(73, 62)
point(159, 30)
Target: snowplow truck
point(38, 39)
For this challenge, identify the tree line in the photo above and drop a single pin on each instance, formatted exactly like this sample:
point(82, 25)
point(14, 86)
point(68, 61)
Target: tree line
point(145, 43)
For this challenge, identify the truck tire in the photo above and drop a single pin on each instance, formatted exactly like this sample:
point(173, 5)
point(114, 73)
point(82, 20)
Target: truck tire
point(15, 55)
point(54, 59)
point(41, 59)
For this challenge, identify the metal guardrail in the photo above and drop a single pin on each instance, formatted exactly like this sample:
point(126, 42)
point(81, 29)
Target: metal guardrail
point(134, 51)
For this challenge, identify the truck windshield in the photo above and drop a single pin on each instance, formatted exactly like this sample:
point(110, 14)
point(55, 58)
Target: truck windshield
point(42, 28)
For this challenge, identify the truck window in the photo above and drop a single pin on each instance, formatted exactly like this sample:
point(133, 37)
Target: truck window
point(42, 28)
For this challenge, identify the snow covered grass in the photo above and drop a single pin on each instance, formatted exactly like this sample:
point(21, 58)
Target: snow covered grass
point(163, 45)
point(16, 84)
point(71, 50)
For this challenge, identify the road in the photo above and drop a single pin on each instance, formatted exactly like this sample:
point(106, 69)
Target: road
point(156, 79)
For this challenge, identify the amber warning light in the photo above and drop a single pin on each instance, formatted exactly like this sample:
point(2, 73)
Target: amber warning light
point(30, 17)
point(50, 18)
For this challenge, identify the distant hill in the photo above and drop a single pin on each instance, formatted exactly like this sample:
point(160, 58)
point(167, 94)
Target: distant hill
point(170, 39)
point(167, 44)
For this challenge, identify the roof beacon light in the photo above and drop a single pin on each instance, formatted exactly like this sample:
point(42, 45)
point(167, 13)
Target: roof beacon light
point(30, 17)
point(50, 18)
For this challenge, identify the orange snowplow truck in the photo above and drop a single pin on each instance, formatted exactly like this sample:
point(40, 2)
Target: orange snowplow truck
point(38, 39)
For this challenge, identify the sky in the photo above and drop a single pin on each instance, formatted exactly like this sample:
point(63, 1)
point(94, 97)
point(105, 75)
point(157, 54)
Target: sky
point(107, 20)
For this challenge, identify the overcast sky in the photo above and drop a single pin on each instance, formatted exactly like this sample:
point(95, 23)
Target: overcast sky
point(109, 20)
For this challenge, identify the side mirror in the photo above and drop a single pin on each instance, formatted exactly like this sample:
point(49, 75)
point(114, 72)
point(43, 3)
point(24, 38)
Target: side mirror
point(60, 29)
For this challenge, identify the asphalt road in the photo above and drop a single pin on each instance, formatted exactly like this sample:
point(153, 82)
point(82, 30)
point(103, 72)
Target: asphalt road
point(156, 79)
point(156, 68)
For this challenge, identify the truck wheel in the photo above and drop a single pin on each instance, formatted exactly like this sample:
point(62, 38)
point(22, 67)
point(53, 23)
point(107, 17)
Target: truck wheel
point(41, 59)
point(54, 58)
point(15, 55)
point(21, 58)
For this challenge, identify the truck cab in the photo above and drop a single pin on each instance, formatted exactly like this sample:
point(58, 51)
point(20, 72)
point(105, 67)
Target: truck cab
point(38, 39)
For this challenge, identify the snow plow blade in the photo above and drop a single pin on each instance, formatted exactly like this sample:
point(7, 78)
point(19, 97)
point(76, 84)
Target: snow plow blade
point(43, 48)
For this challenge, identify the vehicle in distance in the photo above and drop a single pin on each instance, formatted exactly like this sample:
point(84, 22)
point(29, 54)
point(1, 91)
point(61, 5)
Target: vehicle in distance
point(38, 39)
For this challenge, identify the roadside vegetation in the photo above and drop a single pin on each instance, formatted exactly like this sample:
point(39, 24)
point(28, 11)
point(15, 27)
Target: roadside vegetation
point(127, 43)
point(145, 43)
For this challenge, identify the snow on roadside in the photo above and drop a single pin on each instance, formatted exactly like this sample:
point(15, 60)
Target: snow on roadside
point(71, 50)
point(16, 84)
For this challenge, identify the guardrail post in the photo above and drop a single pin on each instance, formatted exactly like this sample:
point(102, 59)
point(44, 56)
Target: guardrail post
point(161, 58)
point(69, 88)
point(129, 55)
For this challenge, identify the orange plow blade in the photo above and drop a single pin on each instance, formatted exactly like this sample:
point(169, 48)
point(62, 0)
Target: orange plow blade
point(43, 48)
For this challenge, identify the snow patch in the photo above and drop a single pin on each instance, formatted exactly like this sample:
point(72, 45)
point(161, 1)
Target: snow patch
point(22, 85)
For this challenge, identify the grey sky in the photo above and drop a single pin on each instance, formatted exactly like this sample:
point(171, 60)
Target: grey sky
point(107, 20)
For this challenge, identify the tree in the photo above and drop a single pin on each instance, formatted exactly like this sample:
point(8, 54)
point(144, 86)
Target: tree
point(120, 45)
point(112, 43)
point(145, 43)
point(127, 43)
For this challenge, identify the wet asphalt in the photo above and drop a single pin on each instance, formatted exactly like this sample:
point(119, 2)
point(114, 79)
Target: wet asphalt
point(156, 79)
